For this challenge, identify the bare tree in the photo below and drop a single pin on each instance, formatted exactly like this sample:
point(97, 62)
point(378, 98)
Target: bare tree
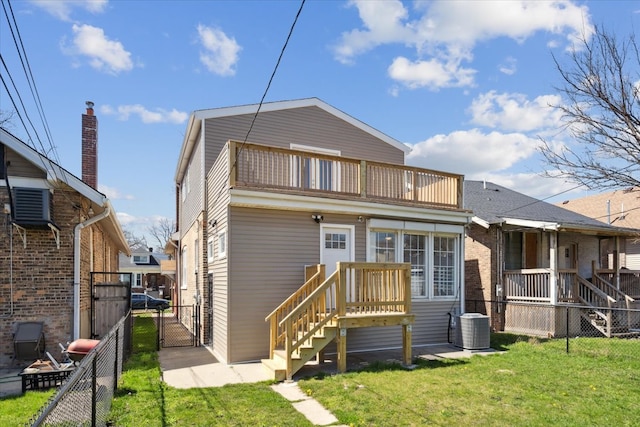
point(6, 118)
point(162, 231)
point(601, 87)
point(133, 240)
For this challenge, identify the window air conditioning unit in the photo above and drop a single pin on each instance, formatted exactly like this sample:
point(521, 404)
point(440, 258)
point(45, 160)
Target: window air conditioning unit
point(31, 205)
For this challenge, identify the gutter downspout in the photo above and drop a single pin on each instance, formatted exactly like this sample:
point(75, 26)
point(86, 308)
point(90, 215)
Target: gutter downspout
point(76, 268)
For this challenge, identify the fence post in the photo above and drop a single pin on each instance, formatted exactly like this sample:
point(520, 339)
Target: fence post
point(567, 334)
point(115, 364)
point(94, 397)
point(158, 331)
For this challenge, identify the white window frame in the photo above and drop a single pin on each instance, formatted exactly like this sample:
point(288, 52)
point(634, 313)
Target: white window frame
point(142, 259)
point(196, 255)
point(222, 244)
point(400, 229)
point(210, 249)
point(183, 276)
point(315, 169)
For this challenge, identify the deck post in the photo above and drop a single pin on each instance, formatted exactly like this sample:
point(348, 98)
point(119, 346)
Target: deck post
point(342, 350)
point(406, 344)
point(553, 267)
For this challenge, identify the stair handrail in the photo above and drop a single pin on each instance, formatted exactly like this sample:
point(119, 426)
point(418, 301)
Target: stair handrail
point(317, 311)
point(597, 291)
point(291, 303)
point(600, 282)
point(603, 296)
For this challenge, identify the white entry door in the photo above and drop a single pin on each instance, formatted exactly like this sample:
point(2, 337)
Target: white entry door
point(336, 245)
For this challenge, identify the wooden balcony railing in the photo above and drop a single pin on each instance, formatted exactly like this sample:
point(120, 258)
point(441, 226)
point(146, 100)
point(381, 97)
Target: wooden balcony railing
point(279, 169)
point(629, 280)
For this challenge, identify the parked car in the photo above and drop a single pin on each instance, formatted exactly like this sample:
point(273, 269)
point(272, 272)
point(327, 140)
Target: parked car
point(147, 301)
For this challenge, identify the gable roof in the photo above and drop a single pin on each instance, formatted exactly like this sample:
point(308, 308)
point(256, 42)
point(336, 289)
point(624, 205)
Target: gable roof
point(493, 204)
point(620, 207)
point(56, 173)
point(197, 116)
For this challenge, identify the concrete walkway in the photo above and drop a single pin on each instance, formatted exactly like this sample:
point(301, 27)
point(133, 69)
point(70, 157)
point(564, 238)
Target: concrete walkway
point(191, 367)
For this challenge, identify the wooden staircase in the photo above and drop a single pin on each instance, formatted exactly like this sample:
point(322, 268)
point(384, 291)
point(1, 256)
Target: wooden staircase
point(311, 348)
point(608, 314)
point(321, 311)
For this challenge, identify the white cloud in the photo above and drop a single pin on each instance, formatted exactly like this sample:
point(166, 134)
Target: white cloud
point(104, 55)
point(147, 116)
point(514, 112)
point(444, 33)
point(432, 74)
point(509, 66)
point(62, 9)
point(114, 193)
point(472, 152)
point(221, 52)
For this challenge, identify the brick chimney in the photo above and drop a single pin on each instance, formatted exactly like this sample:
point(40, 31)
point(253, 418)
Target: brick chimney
point(90, 147)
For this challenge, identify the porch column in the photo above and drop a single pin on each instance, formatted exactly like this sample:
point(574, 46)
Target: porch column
point(616, 263)
point(553, 265)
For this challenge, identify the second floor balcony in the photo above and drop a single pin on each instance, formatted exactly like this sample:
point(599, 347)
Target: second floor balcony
point(268, 168)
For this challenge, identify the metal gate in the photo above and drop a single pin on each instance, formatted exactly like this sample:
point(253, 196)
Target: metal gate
point(179, 326)
point(110, 300)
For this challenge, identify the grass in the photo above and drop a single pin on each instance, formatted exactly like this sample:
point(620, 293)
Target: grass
point(533, 383)
point(142, 399)
point(18, 410)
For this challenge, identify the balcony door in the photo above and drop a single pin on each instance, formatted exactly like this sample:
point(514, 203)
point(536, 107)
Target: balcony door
point(315, 173)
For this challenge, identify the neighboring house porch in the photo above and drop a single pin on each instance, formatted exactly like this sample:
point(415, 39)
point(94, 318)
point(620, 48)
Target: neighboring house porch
point(523, 255)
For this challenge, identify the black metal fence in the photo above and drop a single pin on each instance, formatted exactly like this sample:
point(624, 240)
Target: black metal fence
point(84, 399)
point(179, 326)
point(598, 330)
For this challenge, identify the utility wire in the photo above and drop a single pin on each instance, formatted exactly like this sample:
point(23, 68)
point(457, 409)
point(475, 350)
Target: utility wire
point(264, 95)
point(12, 23)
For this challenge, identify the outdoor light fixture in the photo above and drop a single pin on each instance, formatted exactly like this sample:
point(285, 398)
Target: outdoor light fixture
point(317, 218)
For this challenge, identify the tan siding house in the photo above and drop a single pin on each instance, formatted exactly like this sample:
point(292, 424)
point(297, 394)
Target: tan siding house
point(303, 184)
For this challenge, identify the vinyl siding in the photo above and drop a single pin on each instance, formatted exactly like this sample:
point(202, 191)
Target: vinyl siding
point(309, 126)
point(217, 201)
point(268, 251)
point(19, 166)
point(193, 204)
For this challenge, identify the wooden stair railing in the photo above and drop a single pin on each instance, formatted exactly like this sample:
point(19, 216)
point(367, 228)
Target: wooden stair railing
point(591, 295)
point(277, 336)
point(305, 324)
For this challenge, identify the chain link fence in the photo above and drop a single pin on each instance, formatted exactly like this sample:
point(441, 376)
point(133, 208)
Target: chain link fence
point(84, 399)
point(600, 331)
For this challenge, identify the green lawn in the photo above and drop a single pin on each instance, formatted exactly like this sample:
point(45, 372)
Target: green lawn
point(532, 383)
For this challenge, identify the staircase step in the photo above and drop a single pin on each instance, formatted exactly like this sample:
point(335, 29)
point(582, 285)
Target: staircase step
point(277, 369)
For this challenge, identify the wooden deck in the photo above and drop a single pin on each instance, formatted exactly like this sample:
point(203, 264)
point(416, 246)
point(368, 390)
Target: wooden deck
point(283, 170)
point(356, 295)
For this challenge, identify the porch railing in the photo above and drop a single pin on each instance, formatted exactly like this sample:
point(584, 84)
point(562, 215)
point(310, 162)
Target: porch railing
point(280, 169)
point(527, 285)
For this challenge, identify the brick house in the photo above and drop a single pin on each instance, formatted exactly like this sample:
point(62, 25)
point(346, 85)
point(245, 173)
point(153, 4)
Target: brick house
point(524, 258)
point(55, 230)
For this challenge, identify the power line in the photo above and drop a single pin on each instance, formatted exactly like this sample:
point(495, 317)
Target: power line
point(255, 116)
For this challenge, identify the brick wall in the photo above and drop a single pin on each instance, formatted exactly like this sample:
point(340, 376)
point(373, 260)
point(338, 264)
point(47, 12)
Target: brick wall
point(481, 260)
point(41, 275)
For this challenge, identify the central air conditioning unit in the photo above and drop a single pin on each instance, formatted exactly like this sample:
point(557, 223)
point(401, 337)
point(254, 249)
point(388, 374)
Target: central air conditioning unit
point(472, 332)
point(31, 205)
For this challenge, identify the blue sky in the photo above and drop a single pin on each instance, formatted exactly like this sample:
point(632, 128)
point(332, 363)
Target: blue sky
point(466, 84)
